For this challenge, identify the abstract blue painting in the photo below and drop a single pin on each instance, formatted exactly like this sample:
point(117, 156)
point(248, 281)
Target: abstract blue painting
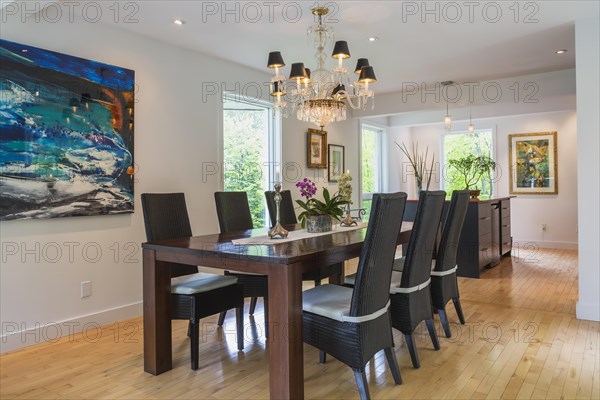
point(66, 135)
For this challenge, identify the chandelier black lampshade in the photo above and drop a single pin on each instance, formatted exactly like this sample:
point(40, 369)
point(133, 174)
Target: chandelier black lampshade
point(341, 50)
point(307, 79)
point(298, 71)
point(275, 60)
point(362, 62)
point(367, 74)
point(338, 89)
point(277, 89)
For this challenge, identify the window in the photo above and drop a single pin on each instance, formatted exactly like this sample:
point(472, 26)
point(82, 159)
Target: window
point(251, 149)
point(457, 145)
point(372, 161)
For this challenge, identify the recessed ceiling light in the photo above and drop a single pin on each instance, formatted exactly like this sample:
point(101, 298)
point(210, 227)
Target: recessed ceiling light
point(561, 51)
point(373, 39)
point(179, 22)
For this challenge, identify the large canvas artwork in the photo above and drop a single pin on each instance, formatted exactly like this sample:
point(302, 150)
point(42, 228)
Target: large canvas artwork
point(66, 135)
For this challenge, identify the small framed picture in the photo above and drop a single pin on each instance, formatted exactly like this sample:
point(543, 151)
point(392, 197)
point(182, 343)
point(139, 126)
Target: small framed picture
point(533, 163)
point(317, 149)
point(335, 166)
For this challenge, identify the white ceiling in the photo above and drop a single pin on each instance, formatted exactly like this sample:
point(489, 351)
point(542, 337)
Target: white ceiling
point(408, 49)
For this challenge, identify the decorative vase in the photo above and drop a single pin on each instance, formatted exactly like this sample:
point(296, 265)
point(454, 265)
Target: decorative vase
point(318, 223)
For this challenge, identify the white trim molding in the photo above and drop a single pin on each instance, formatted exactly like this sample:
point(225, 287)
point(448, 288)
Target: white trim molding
point(89, 327)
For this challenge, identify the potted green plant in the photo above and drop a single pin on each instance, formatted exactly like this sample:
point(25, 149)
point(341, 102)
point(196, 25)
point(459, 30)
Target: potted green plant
point(317, 215)
point(471, 169)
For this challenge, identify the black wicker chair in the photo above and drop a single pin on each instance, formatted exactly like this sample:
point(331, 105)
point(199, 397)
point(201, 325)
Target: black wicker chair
point(444, 285)
point(410, 294)
point(193, 295)
point(352, 324)
point(234, 215)
point(287, 216)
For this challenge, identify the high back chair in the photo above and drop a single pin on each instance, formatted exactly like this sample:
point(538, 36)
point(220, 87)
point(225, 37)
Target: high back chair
point(233, 212)
point(409, 292)
point(193, 295)
point(444, 284)
point(287, 214)
point(352, 324)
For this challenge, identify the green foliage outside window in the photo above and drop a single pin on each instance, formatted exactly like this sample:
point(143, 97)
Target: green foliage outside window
point(463, 145)
point(369, 164)
point(244, 154)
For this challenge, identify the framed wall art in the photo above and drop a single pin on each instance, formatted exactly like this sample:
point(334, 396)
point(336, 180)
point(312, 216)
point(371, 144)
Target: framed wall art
point(335, 166)
point(533, 163)
point(66, 132)
point(317, 148)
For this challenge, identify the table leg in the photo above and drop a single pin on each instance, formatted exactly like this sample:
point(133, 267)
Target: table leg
point(286, 361)
point(157, 314)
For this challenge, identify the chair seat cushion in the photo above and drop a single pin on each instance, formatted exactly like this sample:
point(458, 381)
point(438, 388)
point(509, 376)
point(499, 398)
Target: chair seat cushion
point(395, 282)
point(200, 282)
point(398, 264)
point(331, 301)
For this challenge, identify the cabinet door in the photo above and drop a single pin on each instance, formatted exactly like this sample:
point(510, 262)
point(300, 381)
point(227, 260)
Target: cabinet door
point(487, 249)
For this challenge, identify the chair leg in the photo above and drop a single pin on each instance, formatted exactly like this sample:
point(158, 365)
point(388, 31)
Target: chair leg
point(432, 333)
point(239, 321)
point(194, 343)
point(189, 332)
point(391, 359)
point(222, 318)
point(361, 382)
point(459, 311)
point(322, 357)
point(444, 320)
point(412, 349)
point(266, 307)
point(252, 305)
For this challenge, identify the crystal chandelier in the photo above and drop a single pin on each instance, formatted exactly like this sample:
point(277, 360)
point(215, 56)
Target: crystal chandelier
point(321, 97)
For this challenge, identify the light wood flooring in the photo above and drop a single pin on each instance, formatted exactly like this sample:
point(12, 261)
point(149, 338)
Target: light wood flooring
point(521, 341)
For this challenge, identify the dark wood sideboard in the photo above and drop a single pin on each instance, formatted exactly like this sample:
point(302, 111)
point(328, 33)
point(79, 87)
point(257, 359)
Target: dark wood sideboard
point(486, 236)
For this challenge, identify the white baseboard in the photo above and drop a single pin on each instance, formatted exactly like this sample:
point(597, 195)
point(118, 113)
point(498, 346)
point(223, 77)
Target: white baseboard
point(545, 244)
point(87, 326)
point(588, 311)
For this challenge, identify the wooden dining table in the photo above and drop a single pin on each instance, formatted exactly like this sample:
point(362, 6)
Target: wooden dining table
point(283, 263)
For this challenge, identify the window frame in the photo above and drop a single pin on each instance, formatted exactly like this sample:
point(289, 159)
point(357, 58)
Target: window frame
point(381, 148)
point(274, 139)
point(443, 160)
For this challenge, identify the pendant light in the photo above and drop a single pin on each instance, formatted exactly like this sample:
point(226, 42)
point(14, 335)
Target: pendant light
point(447, 117)
point(471, 127)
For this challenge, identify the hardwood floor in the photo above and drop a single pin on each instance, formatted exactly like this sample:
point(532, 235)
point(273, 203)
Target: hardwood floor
point(521, 341)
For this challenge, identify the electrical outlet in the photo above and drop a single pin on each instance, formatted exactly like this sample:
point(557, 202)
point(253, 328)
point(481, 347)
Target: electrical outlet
point(86, 289)
point(543, 227)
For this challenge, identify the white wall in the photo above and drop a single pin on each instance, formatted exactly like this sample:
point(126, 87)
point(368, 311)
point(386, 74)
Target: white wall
point(587, 34)
point(344, 133)
point(528, 211)
point(175, 134)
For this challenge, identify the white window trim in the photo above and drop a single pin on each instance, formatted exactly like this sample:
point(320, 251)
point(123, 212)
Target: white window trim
point(383, 170)
point(274, 133)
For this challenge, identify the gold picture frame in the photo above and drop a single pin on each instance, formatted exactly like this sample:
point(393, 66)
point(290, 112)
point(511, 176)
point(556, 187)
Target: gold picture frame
point(316, 149)
point(533, 161)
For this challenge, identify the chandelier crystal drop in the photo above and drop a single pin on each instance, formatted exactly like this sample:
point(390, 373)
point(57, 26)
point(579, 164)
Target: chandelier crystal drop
point(321, 96)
